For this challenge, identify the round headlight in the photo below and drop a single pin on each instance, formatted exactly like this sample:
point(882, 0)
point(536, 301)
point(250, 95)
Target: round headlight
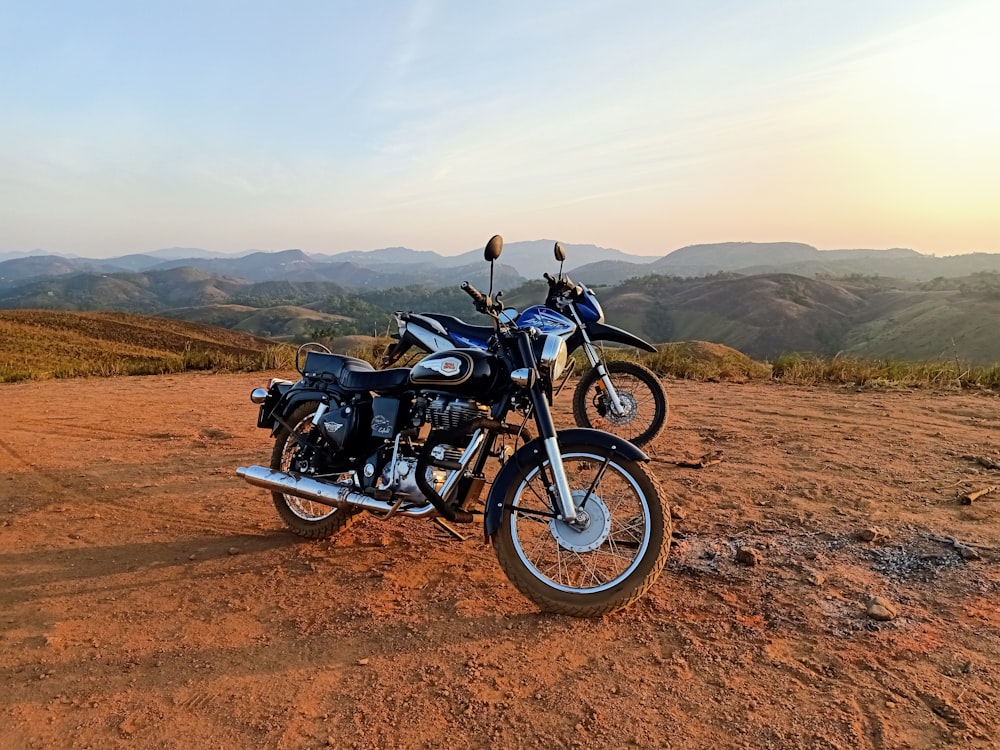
point(553, 357)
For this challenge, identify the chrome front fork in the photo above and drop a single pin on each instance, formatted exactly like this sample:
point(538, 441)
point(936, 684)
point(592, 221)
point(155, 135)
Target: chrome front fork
point(564, 496)
point(598, 364)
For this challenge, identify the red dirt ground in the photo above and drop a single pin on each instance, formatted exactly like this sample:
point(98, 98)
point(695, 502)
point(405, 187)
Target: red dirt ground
point(151, 599)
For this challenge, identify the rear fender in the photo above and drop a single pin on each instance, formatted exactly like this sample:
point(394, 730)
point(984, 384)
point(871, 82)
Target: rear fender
point(295, 397)
point(603, 443)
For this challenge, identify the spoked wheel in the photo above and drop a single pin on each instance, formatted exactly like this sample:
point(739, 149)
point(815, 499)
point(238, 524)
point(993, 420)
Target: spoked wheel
point(304, 517)
point(591, 568)
point(640, 392)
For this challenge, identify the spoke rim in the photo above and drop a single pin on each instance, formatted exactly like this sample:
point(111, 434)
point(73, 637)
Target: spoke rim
point(307, 510)
point(640, 412)
point(593, 571)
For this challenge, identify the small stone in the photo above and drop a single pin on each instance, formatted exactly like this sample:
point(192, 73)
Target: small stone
point(748, 556)
point(878, 612)
point(234, 550)
point(967, 553)
point(677, 513)
point(881, 609)
point(890, 704)
point(815, 577)
point(869, 535)
point(362, 662)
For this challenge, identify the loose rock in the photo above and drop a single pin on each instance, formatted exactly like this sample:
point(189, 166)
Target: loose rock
point(815, 577)
point(967, 553)
point(748, 556)
point(881, 609)
point(870, 534)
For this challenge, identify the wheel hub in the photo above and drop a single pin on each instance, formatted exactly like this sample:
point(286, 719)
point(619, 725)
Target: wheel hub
point(591, 528)
point(629, 408)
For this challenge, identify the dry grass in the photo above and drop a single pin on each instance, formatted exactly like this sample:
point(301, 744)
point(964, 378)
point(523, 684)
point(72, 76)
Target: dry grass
point(806, 369)
point(702, 361)
point(37, 345)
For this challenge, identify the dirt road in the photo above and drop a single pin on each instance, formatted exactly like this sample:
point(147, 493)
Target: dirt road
point(150, 599)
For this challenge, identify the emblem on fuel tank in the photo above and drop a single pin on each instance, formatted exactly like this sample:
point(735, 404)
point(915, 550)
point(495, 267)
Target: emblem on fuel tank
point(449, 367)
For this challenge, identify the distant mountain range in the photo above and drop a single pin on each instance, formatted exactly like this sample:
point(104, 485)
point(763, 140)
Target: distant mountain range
point(751, 258)
point(762, 298)
point(397, 266)
point(371, 269)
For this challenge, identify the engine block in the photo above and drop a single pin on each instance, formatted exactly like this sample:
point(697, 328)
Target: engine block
point(445, 414)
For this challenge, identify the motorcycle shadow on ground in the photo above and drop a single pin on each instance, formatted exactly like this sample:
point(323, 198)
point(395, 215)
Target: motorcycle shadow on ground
point(85, 569)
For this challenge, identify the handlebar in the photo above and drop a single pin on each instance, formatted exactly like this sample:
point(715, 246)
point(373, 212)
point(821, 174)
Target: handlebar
point(477, 296)
point(562, 285)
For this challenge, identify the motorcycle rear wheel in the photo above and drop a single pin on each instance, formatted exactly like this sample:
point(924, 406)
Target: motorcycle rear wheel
point(304, 518)
point(590, 571)
point(640, 392)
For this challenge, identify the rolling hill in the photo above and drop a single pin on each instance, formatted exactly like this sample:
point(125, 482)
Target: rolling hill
point(754, 258)
point(765, 299)
point(45, 343)
point(771, 314)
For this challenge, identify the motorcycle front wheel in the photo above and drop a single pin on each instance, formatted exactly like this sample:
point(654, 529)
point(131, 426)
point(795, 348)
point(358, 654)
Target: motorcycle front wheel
point(303, 517)
point(641, 395)
point(600, 565)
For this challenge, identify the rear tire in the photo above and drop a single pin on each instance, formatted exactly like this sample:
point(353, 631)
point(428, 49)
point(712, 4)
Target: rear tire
point(305, 518)
point(641, 393)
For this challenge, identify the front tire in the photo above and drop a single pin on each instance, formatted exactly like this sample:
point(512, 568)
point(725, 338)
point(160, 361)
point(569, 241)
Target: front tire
point(305, 518)
point(589, 571)
point(640, 392)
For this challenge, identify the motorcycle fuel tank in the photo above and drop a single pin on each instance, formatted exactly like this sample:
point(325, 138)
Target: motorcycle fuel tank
point(465, 371)
point(546, 321)
point(588, 308)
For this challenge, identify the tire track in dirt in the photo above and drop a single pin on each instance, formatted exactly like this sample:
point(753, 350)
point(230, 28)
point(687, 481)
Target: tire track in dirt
point(40, 478)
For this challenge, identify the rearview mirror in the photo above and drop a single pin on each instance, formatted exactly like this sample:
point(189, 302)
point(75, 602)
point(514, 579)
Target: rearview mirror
point(560, 253)
point(493, 248)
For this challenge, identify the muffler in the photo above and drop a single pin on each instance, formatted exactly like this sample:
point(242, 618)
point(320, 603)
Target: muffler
point(325, 493)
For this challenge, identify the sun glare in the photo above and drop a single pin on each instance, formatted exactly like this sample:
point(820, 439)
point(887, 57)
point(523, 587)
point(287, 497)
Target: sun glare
point(916, 129)
point(947, 75)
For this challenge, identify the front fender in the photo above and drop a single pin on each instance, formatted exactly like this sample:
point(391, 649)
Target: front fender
point(602, 332)
point(604, 443)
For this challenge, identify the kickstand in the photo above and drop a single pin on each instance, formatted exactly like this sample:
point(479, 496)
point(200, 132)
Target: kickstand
point(450, 529)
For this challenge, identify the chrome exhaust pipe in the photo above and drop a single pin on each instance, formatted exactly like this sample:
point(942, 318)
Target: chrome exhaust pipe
point(327, 493)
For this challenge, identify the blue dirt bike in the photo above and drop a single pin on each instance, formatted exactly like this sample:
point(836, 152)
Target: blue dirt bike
point(624, 398)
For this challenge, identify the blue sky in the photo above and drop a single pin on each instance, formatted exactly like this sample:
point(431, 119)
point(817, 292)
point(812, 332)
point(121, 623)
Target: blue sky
point(645, 126)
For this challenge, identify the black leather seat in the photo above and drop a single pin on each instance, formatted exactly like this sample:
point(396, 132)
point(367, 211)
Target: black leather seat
point(380, 381)
point(354, 374)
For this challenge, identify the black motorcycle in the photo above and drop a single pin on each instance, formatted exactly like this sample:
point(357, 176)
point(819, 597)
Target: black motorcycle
point(619, 396)
point(577, 524)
